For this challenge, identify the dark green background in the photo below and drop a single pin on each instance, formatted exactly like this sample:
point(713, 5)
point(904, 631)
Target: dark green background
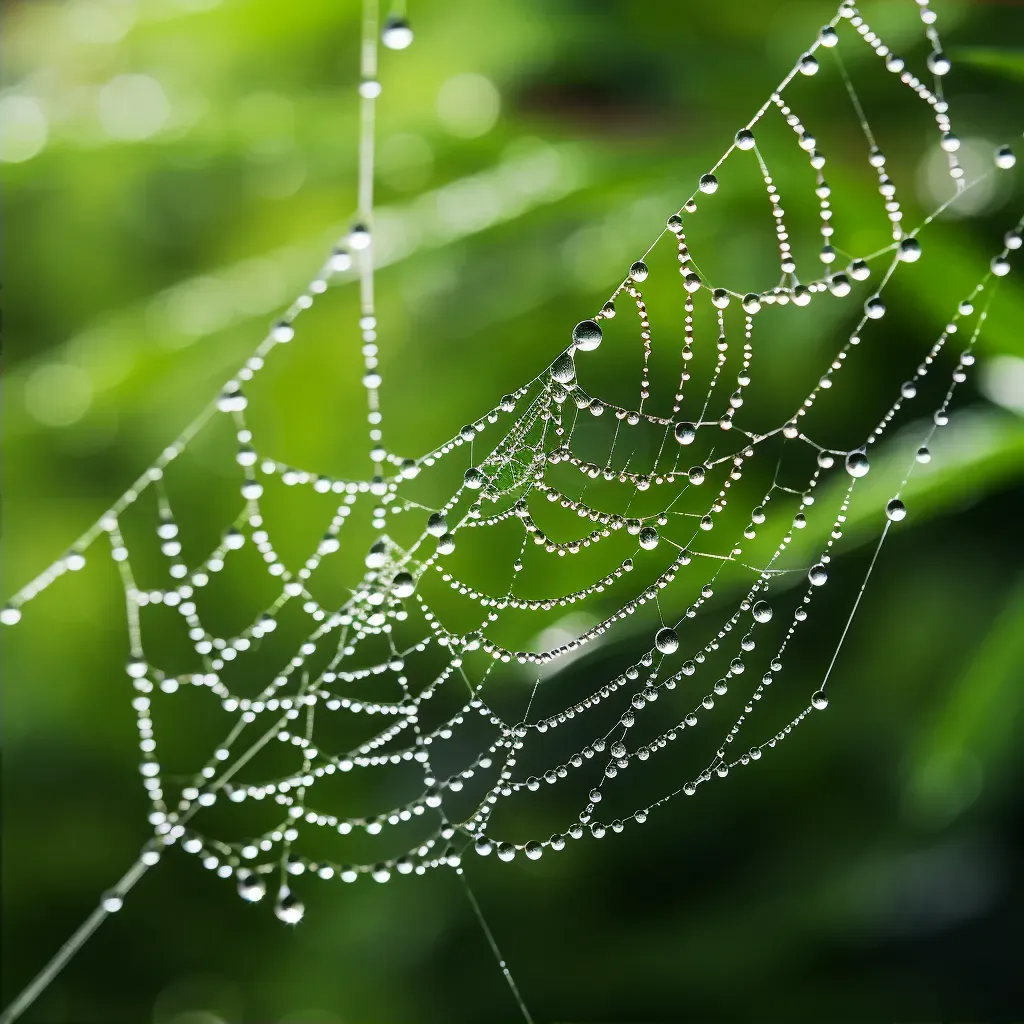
point(870, 869)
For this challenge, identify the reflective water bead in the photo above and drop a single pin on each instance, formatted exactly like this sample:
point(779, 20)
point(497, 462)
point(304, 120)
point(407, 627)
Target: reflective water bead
point(819, 701)
point(533, 850)
point(817, 575)
point(1000, 266)
point(403, 584)
point(826, 460)
point(1005, 158)
point(685, 433)
point(445, 544)
point(923, 454)
point(909, 250)
point(397, 34)
point(720, 298)
point(563, 369)
point(474, 478)
point(839, 285)
point(859, 270)
point(950, 142)
point(762, 612)
point(638, 271)
point(508, 402)
point(896, 510)
point(483, 846)
point(251, 887)
point(648, 538)
point(751, 303)
point(708, 183)
point(10, 616)
point(691, 282)
point(437, 524)
point(674, 223)
point(666, 640)
point(857, 464)
point(745, 139)
point(359, 237)
point(938, 63)
point(874, 308)
point(696, 475)
point(506, 851)
point(828, 36)
point(808, 64)
point(288, 909)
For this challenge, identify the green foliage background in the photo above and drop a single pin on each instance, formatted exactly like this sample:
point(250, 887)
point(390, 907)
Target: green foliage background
point(868, 870)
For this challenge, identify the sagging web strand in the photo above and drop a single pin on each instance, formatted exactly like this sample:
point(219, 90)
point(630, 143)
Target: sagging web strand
point(541, 421)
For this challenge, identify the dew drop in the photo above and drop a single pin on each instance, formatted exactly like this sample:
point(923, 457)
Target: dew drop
point(396, 34)
point(817, 575)
point(762, 612)
point(685, 433)
point(819, 701)
point(923, 454)
point(808, 64)
point(639, 271)
point(857, 464)
point(696, 475)
point(648, 538)
point(563, 369)
point(745, 139)
point(896, 510)
point(909, 250)
point(708, 184)
point(1005, 158)
point(667, 640)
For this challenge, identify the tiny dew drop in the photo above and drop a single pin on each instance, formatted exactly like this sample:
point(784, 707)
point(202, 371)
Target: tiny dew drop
point(819, 701)
point(397, 34)
point(923, 454)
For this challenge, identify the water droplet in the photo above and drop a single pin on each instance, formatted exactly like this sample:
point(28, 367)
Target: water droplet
point(639, 271)
point(720, 298)
point(534, 850)
point(251, 887)
point(708, 183)
point(1000, 266)
point(403, 584)
point(909, 250)
point(563, 369)
point(896, 510)
point(474, 478)
point(819, 701)
point(288, 909)
point(483, 846)
point(857, 464)
point(667, 640)
point(923, 454)
point(674, 223)
point(648, 538)
point(437, 524)
point(839, 285)
point(874, 308)
point(685, 433)
point(817, 575)
point(506, 851)
point(396, 34)
point(10, 615)
point(859, 270)
point(745, 139)
point(950, 142)
point(691, 282)
point(751, 303)
point(938, 63)
point(828, 36)
point(1005, 158)
point(762, 612)
point(808, 64)
point(696, 475)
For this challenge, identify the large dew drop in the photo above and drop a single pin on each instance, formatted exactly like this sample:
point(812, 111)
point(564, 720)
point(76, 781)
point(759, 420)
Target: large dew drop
point(563, 369)
point(857, 464)
point(896, 510)
point(686, 433)
point(818, 575)
point(762, 612)
point(667, 640)
point(587, 335)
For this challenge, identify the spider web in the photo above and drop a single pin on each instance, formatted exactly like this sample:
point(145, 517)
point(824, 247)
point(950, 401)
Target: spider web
point(437, 661)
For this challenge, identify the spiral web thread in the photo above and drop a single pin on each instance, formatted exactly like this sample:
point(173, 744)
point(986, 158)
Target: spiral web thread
point(389, 631)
